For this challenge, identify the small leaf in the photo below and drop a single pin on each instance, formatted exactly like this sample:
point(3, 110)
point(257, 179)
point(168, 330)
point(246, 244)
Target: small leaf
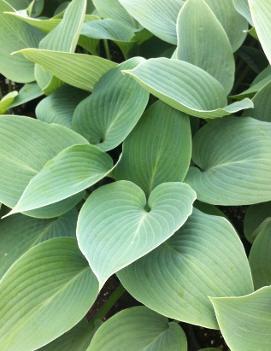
point(204, 258)
point(79, 70)
point(63, 282)
point(185, 87)
point(7, 100)
point(117, 225)
point(27, 93)
point(227, 172)
point(145, 161)
point(245, 322)
point(138, 329)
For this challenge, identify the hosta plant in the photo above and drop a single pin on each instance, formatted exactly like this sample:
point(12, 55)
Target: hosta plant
point(135, 175)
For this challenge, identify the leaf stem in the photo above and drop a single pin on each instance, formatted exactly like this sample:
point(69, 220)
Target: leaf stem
point(107, 50)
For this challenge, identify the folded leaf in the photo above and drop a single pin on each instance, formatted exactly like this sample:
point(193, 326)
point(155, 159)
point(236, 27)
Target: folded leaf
point(79, 70)
point(245, 322)
point(73, 170)
point(185, 87)
point(229, 172)
point(204, 258)
point(138, 329)
point(63, 283)
point(117, 225)
point(200, 34)
point(145, 161)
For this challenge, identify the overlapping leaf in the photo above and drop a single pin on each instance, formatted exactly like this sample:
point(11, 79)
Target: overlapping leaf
point(254, 216)
point(262, 104)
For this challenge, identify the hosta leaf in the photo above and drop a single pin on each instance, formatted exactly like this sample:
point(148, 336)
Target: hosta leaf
point(27, 93)
point(19, 4)
point(234, 24)
point(73, 170)
point(204, 258)
point(243, 8)
point(108, 115)
point(262, 104)
point(19, 233)
point(199, 35)
point(5, 6)
point(63, 37)
point(107, 29)
point(7, 100)
point(245, 322)
point(39, 142)
point(185, 87)
point(259, 257)
point(260, 11)
point(228, 172)
point(138, 329)
point(43, 24)
point(117, 225)
point(158, 16)
point(79, 70)
point(162, 131)
point(16, 35)
point(59, 106)
point(63, 282)
point(77, 339)
point(254, 216)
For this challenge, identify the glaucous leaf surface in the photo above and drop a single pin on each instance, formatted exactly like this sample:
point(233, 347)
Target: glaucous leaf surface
point(27, 93)
point(145, 161)
point(227, 171)
point(79, 70)
point(109, 114)
point(59, 106)
point(34, 137)
point(234, 24)
point(185, 87)
point(260, 13)
point(117, 224)
point(205, 257)
point(73, 170)
point(200, 35)
point(259, 256)
point(158, 16)
point(63, 282)
point(245, 321)
point(262, 104)
point(138, 329)
point(243, 8)
point(254, 216)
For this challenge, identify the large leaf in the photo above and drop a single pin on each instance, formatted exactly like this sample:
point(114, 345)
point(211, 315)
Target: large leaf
point(185, 87)
point(16, 35)
point(254, 216)
point(19, 233)
point(245, 322)
point(204, 258)
point(63, 37)
point(260, 13)
point(63, 282)
point(77, 339)
point(262, 104)
point(158, 16)
point(109, 114)
point(162, 131)
point(117, 225)
point(59, 106)
point(234, 24)
point(73, 170)
point(37, 143)
point(200, 34)
point(79, 70)
point(229, 172)
point(259, 257)
point(243, 8)
point(138, 329)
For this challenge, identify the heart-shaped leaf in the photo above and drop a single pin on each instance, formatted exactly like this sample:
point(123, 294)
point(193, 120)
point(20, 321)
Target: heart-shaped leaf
point(229, 173)
point(63, 282)
point(200, 34)
point(117, 225)
point(204, 258)
point(109, 114)
point(185, 87)
point(138, 329)
point(245, 322)
point(73, 170)
point(161, 132)
point(19, 233)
